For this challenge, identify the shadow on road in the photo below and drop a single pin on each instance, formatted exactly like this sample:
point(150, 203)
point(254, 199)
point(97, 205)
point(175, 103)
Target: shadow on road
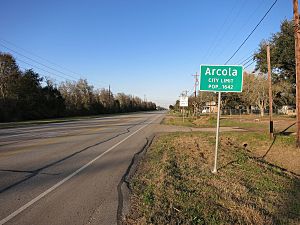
point(34, 173)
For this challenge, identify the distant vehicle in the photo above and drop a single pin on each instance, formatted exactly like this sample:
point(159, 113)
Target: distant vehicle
point(288, 110)
point(205, 110)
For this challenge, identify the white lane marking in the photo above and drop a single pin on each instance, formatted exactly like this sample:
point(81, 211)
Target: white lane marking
point(21, 209)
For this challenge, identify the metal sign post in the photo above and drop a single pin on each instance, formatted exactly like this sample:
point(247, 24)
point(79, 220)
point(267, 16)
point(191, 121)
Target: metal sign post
point(220, 78)
point(217, 133)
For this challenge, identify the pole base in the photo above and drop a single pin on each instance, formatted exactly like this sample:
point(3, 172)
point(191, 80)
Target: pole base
point(214, 171)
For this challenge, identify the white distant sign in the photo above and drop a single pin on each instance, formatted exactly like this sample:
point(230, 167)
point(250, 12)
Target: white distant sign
point(184, 101)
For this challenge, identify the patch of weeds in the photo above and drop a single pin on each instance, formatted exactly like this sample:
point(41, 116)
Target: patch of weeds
point(286, 140)
point(241, 158)
point(267, 183)
point(148, 195)
point(177, 120)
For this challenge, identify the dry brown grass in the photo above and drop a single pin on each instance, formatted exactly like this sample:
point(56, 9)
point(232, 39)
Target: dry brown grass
point(282, 152)
point(174, 185)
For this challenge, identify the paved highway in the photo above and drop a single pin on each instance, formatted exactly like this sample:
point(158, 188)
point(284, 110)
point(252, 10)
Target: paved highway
point(71, 172)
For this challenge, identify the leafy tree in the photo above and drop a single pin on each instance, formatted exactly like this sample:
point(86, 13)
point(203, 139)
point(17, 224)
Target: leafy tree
point(247, 93)
point(124, 101)
point(282, 49)
point(79, 98)
point(30, 96)
point(284, 52)
point(9, 81)
point(23, 95)
point(54, 103)
point(283, 94)
point(9, 76)
point(106, 98)
point(260, 93)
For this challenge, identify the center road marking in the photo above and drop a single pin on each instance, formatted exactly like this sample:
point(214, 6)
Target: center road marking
point(21, 209)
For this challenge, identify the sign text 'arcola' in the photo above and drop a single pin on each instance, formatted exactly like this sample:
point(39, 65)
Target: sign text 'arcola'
point(221, 78)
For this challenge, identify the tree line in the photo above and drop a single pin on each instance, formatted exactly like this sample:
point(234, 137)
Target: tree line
point(255, 85)
point(26, 95)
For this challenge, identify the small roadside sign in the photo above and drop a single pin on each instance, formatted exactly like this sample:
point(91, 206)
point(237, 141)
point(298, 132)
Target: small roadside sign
point(184, 101)
point(221, 78)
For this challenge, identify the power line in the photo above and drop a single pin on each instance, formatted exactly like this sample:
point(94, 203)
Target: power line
point(242, 27)
point(244, 59)
point(220, 51)
point(252, 31)
point(249, 64)
point(33, 60)
point(250, 60)
point(37, 56)
point(42, 64)
point(218, 38)
point(36, 67)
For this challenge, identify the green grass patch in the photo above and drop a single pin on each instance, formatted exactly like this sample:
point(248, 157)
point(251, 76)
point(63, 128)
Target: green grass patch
point(205, 121)
point(179, 121)
point(228, 122)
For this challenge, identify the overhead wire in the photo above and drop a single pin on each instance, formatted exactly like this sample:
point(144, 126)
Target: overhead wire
point(223, 30)
point(36, 67)
point(219, 51)
point(242, 27)
point(37, 56)
point(249, 35)
point(250, 60)
point(244, 59)
point(249, 64)
point(35, 61)
point(42, 64)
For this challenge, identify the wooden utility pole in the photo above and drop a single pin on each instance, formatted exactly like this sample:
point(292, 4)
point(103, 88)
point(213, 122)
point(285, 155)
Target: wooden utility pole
point(196, 84)
point(297, 60)
point(195, 92)
point(270, 92)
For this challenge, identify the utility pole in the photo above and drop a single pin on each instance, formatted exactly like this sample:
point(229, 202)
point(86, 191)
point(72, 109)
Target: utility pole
point(195, 92)
point(196, 83)
point(184, 93)
point(297, 60)
point(270, 92)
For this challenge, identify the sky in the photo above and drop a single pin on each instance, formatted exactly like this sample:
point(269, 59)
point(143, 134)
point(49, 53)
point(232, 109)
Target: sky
point(147, 48)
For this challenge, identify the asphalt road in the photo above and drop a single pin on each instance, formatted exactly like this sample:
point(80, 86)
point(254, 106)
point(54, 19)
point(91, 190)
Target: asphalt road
point(71, 172)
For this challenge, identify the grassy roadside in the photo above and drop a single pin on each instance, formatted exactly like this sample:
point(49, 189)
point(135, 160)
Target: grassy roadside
point(206, 121)
point(248, 122)
point(174, 185)
point(280, 151)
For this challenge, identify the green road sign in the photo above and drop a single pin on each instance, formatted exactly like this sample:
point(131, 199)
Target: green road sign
point(221, 78)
